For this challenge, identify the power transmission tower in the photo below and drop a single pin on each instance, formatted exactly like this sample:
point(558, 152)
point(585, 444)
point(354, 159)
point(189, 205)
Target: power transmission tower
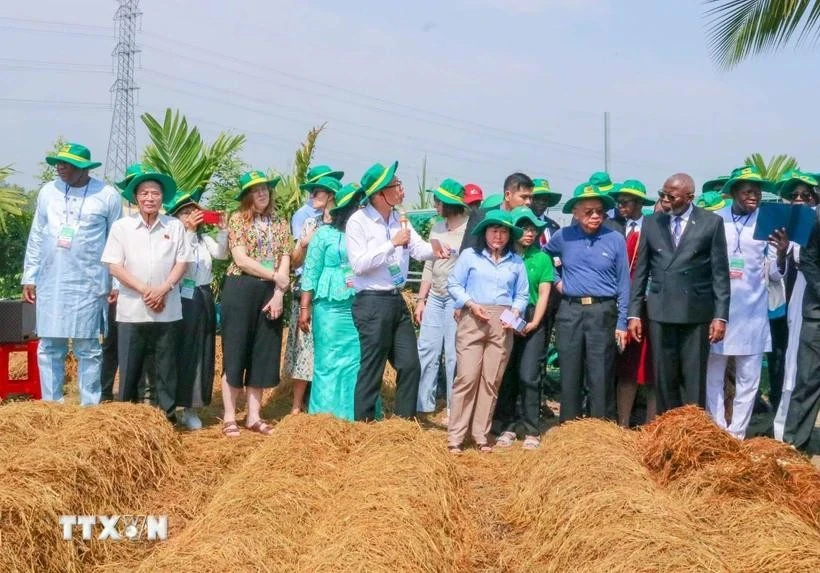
point(122, 142)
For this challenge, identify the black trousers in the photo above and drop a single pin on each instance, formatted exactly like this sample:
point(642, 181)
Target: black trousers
point(777, 359)
point(385, 333)
point(805, 403)
point(585, 339)
point(137, 340)
point(523, 378)
point(110, 363)
point(197, 349)
point(679, 353)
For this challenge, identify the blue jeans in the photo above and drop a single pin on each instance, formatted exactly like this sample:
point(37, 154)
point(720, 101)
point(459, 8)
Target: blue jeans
point(438, 328)
point(51, 355)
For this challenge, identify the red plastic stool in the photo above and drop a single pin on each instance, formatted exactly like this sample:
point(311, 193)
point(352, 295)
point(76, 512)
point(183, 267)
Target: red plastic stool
point(29, 385)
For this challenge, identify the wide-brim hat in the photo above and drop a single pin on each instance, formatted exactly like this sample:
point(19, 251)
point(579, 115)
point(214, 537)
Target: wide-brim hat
point(181, 199)
point(377, 177)
point(169, 186)
point(634, 188)
point(473, 193)
point(345, 195)
point(493, 201)
point(541, 188)
point(131, 172)
point(498, 218)
point(526, 214)
point(711, 201)
point(319, 171)
point(715, 184)
point(450, 192)
point(588, 191)
point(77, 155)
point(791, 179)
point(602, 181)
point(751, 174)
point(251, 178)
point(329, 184)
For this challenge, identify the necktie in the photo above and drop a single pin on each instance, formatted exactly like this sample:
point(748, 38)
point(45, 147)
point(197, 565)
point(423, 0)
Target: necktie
point(676, 230)
point(633, 227)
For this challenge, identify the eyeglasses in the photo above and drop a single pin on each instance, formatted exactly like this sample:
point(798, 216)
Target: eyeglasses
point(398, 184)
point(805, 195)
point(669, 196)
point(625, 202)
point(591, 212)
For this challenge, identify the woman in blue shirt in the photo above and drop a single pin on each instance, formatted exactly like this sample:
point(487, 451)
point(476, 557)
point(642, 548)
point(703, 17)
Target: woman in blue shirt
point(487, 282)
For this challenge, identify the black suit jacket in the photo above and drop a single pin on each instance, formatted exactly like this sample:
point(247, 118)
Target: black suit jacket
point(469, 241)
point(810, 265)
point(690, 284)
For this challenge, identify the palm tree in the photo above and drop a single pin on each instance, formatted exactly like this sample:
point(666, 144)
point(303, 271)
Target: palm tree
point(776, 166)
point(739, 29)
point(289, 197)
point(180, 152)
point(11, 200)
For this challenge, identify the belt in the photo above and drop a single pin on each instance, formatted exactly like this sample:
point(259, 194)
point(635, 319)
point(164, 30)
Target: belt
point(391, 292)
point(585, 300)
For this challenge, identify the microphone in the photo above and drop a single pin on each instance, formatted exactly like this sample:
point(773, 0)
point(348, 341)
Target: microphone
point(403, 218)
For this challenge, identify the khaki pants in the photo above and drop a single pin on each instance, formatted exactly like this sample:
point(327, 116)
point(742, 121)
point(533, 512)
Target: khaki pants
point(482, 350)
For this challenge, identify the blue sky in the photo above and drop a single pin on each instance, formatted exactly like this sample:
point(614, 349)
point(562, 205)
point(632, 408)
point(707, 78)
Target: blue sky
point(482, 87)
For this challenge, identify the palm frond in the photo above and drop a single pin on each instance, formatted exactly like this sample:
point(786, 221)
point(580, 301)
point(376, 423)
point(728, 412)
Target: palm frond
point(289, 197)
point(775, 167)
point(304, 155)
point(12, 201)
point(738, 29)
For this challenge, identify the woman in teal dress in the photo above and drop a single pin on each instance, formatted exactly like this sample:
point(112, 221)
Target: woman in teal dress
point(327, 291)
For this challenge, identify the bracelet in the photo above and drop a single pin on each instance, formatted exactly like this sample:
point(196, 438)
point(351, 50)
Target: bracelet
point(304, 308)
point(421, 299)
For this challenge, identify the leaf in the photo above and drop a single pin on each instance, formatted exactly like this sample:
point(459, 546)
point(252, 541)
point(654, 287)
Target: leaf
point(775, 168)
point(11, 200)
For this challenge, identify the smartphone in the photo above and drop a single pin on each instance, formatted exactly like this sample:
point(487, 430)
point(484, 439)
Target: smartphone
point(211, 217)
point(517, 323)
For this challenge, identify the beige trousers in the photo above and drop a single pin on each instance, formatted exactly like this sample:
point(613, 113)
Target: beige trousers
point(482, 351)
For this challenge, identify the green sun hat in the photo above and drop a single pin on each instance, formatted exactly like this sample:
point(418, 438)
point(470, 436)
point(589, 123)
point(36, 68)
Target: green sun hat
point(498, 218)
point(588, 191)
point(330, 184)
point(131, 172)
point(315, 173)
point(602, 181)
point(251, 178)
point(632, 187)
point(711, 201)
point(715, 184)
point(450, 192)
point(748, 173)
point(77, 155)
point(169, 186)
point(493, 201)
point(346, 194)
point(377, 177)
point(526, 214)
point(181, 199)
point(791, 179)
point(542, 189)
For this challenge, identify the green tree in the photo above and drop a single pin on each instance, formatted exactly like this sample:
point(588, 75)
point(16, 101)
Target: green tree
point(13, 241)
point(739, 29)
point(47, 172)
point(289, 197)
point(776, 166)
point(12, 199)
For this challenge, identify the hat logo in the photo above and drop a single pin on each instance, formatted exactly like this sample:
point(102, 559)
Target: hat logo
point(589, 189)
point(746, 171)
point(65, 148)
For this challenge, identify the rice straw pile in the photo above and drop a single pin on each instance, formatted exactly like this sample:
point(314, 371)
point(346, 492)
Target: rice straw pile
point(24, 422)
point(99, 461)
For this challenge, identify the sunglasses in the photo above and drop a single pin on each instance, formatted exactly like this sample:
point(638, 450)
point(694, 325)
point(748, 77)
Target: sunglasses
point(591, 212)
point(625, 202)
point(803, 195)
point(664, 195)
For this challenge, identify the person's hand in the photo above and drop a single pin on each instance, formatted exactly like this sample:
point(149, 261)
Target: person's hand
point(304, 319)
point(529, 328)
point(636, 329)
point(275, 305)
point(305, 241)
point(193, 220)
point(717, 330)
point(29, 293)
point(223, 220)
point(559, 286)
point(779, 240)
point(281, 280)
point(113, 295)
point(620, 339)
point(479, 311)
point(154, 297)
point(401, 238)
point(418, 313)
point(457, 314)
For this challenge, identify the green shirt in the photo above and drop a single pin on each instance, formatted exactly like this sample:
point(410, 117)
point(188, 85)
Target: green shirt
point(539, 269)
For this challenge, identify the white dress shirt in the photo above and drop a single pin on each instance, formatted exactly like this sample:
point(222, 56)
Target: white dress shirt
point(683, 222)
point(370, 249)
point(638, 225)
point(149, 254)
point(203, 250)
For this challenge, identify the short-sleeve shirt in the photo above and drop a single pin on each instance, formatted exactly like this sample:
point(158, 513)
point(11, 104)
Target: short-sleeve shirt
point(264, 238)
point(539, 270)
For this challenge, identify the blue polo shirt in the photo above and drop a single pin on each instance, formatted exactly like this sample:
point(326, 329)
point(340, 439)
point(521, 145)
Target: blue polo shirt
point(593, 265)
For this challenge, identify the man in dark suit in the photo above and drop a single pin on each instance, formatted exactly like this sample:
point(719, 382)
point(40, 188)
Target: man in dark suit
point(517, 193)
point(805, 401)
point(682, 259)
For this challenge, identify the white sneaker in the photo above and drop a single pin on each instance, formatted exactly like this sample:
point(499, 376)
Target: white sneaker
point(190, 420)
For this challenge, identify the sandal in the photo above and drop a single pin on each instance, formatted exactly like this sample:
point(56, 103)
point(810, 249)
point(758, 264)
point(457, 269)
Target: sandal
point(531, 443)
point(455, 450)
point(230, 429)
point(261, 427)
point(505, 440)
point(485, 448)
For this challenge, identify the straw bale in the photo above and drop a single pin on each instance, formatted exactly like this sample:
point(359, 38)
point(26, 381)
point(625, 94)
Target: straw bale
point(24, 422)
point(101, 461)
point(399, 507)
point(684, 440)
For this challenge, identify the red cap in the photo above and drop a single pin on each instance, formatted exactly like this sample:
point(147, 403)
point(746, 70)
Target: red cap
point(473, 193)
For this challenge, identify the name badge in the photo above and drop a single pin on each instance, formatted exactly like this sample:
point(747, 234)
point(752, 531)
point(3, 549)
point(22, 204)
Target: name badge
point(186, 289)
point(395, 274)
point(268, 264)
point(736, 268)
point(66, 236)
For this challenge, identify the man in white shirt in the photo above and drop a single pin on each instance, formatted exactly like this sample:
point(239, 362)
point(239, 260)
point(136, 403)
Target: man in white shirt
point(148, 255)
point(379, 245)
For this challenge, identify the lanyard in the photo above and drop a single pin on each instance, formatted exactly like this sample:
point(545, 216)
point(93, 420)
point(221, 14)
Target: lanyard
point(82, 203)
point(260, 243)
point(739, 230)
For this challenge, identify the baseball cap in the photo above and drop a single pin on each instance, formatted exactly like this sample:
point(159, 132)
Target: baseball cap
point(473, 193)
